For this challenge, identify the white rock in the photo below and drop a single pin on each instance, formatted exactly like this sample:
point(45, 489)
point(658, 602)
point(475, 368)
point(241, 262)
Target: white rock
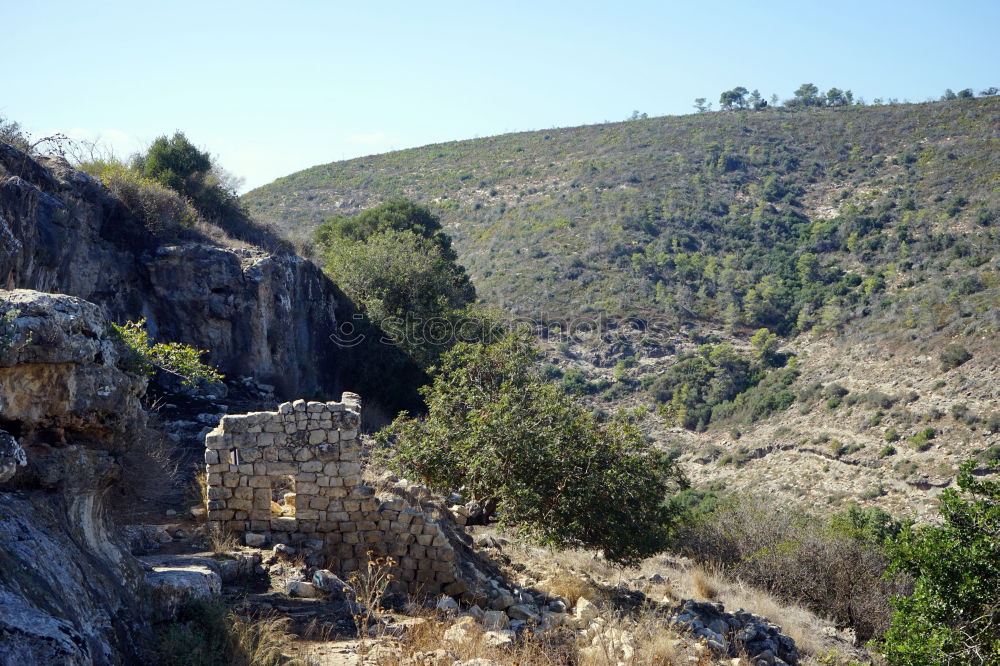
point(255, 540)
point(494, 620)
point(447, 604)
point(299, 588)
point(584, 612)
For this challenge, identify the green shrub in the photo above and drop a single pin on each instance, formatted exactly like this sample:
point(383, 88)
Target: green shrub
point(953, 356)
point(891, 435)
point(953, 616)
point(565, 478)
point(990, 456)
point(145, 358)
point(576, 383)
point(8, 332)
point(398, 266)
point(887, 451)
point(921, 441)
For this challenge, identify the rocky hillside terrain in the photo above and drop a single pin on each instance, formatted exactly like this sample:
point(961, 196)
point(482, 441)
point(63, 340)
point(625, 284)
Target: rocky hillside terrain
point(262, 315)
point(864, 237)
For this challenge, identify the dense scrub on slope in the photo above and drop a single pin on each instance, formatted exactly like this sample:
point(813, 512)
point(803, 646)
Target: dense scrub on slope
point(788, 219)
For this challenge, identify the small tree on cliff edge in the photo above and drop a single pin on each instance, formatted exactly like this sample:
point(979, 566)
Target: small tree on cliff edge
point(521, 445)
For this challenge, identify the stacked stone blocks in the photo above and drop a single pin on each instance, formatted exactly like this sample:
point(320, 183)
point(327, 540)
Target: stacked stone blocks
point(315, 445)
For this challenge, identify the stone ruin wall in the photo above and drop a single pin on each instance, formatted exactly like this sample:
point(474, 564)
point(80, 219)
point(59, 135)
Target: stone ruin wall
point(294, 476)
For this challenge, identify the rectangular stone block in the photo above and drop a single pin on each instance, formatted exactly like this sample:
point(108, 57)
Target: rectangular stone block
point(220, 514)
point(283, 524)
point(215, 440)
point(417, 551)
point(251, 455)
point(311, 466)
point(282, 468)
point(230, 479)
point(243, 492)
point(257, 525)
point(234, 423)
point(239, 504)
point(259, 482)
point(219, 493)
point(286, 455)
point(424, 539)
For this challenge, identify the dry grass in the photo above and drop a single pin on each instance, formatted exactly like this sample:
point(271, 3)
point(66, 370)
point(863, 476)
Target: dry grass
point(555, 648)
point(221, 540)
point(796, 622)
point(705, 583)
point(261, 642)
point(570, 586)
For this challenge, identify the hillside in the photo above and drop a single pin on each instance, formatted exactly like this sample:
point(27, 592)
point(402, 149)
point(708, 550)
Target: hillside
point(689, 214)
point(864, 236)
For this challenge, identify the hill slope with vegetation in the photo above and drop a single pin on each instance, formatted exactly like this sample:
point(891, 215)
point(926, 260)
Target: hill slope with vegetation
point(779, 218)
point(863, 237)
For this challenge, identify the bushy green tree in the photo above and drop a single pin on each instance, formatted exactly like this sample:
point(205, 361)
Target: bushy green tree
point(519, 444)
point(806, 95)
point(398, 266)
point(177, 163)
point(734, 99)
point(953, 615)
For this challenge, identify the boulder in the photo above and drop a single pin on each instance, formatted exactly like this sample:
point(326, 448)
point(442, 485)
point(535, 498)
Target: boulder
point(463, 631)
point(330, 584)
point(12, 456)
point(172, 586)
point(494, 620)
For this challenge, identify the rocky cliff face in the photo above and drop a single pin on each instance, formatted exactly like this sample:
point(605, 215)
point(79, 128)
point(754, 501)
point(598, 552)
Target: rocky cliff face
point(69, 594)
point(269, 316)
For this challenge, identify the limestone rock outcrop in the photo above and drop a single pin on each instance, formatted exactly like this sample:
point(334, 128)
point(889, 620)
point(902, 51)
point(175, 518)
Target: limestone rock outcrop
point(269, 316)
point(69, 593)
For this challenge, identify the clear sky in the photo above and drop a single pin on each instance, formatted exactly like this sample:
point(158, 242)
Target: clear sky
point(272, 88)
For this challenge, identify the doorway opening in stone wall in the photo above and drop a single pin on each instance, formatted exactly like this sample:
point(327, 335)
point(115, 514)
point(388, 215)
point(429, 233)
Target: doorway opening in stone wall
point(283, 496)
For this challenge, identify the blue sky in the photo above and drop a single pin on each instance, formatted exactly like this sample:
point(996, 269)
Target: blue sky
point(272, 88)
